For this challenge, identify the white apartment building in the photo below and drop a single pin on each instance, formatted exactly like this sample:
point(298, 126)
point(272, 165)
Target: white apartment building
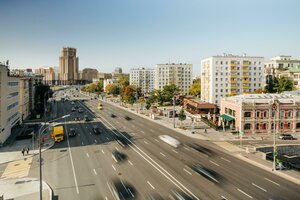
point(142, 78)
point(9, 102)
point(277, 64)
point(179, 74)
point(229, 75)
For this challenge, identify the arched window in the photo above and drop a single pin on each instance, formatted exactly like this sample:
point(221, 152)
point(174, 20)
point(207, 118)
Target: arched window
point(289, 125)
point(272, 126)
point(257, 126)
point(290, 113)
point(265, 126)
point(265, 114)
point(247, 114)
point(298, 113)
point(298, 125)
point(247, 126)
point(281, 125)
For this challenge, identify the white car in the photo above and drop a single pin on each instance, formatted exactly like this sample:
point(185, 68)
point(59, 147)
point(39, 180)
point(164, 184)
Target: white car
point(170, 140)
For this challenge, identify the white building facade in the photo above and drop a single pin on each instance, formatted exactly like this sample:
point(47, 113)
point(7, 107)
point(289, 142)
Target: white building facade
point(229, 75)
point(179, 74)
point(24, 98)
point(142, 78)
point(9, 102)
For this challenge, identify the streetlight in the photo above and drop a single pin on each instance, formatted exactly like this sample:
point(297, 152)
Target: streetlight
point(40, 151)
point(274, 108)
point(174, 98)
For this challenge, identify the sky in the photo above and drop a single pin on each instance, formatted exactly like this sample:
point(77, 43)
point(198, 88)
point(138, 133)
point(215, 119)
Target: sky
point(141, 33)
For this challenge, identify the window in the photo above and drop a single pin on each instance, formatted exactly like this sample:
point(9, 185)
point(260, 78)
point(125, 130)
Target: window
point(265, 114)
point(13, 84)
point(216, 90)
point(247, 126)
point(264, 126)
point(13, 94)
point(257, 126)
point(290, 113)
point(247, 114)
point(257, 114)
point(298, 113)
point(288, 125)
point(281, 125)
point(298, 125)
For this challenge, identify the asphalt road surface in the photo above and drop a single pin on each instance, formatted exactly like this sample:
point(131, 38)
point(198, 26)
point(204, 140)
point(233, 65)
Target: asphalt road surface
point(82, 167)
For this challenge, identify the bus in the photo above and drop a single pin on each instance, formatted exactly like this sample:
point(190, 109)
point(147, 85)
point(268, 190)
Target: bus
point(100, 106)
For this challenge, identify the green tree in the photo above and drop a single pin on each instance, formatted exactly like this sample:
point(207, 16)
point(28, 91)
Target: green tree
point(271, 85)
point(181, 115)
point(129, 94)
point(284, 84)
point(195, 88)
point(99, 85)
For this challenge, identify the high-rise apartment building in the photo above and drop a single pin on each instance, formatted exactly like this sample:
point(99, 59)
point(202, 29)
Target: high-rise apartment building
point(142, 78)
point(48, 75)
point(9, 102)
point(229, 74)
point(179, 74)
point(277, 64)
point(68, 66)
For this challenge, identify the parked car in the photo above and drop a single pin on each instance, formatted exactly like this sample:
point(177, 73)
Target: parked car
point(72, 132)
point(96, 130)
point(286, 137)
point(73, 109)
point(86, 118)
point(170, 140)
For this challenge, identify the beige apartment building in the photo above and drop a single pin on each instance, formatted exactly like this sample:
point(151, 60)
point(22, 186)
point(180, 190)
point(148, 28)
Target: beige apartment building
point(48, 74)
point(9, 102)
point(68, 66)
point(171, 73)
point(261, 113)
point(24, 98)
point(227, 75)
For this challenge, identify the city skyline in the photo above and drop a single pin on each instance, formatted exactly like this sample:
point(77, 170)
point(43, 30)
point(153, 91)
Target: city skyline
point(135, 34)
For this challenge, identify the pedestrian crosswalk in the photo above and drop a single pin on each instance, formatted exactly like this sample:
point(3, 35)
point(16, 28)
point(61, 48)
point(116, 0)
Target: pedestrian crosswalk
point(17, 169)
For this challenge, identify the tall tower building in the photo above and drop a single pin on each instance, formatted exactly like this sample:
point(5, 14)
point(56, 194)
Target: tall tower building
point(68, 66)
point(179, 74)
point(229, 75)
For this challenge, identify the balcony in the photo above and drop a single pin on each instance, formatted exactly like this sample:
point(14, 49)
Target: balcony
point(233, 75)
point(233, 93)
point(245, 81)
point(232, 81)
point(233, 70)
point(233, 87)
point(245, 76)
point(245, 86)
point(232, 64)
point(246, 70)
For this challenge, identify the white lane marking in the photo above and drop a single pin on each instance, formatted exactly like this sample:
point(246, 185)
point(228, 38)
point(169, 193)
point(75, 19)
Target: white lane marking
point(224, 198)
point(272, 181)
point(95, 140)
point(245, 193)
point(102, 151)
point(117, 148)
point(106, 198)
point(132, 133)
point(151, 130)
point(82, 143)
point(174, 150)
point(156, 140)
point(145, 142)
point(151, 185)
point(114, 158)
point(113, 167)
point(225, 159)
point(73, 168)
point(130, 162)
point(130, 192)
point(162, 154)
point(150, 160)
point(263, 189)
point(87, 155)
point(187, 171)
point(95, 172)
point(214, 163)
point(186, 148)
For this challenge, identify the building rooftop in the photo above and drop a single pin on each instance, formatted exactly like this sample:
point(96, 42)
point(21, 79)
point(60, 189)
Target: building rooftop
point(263, 98)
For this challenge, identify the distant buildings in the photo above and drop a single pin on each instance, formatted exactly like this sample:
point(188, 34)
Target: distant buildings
point(293, 73)
point(88, 74)
point(277, 64)
point(68, 66)
point(142, 78)
point(260, 113)
point(230, 75)
point(179, 74)
point(49, 75)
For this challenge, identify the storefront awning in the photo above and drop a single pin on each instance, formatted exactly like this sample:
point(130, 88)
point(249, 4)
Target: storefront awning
point(227, 118)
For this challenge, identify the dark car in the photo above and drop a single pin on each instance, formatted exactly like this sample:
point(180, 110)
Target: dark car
point(286, 137)
point(73, 109)
point(112, 115)
point(80, 110)
point(96, 130)
point(72, 132)
point(127, 118)
point(153, 196)
point(123, 190)
point(76, 106)
point(179, 195)
point(206, 173)
point(86, 118)
point(118, 156)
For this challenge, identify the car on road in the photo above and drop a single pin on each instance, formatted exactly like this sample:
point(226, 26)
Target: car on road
point(73, 109)
point(80, 110)
point(206, 173)
point(118, 156)
point(76, 106)
point(170, 140)
point(72, 103)
point(122, 190)
point(96, 130)
point(72, 132)
point(153, 196)
point(112, 115)
point(179, 195)
point(127, 118)
point(286, 137)
point(86, 118)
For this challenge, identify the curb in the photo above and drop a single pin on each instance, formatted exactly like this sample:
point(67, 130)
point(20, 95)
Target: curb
point(278, 173)
point(49, 189)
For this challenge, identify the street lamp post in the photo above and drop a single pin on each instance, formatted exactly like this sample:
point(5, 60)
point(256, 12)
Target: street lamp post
point(274, 108)
point(174, 111)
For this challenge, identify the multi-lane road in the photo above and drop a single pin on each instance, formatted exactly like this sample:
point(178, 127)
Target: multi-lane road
point(82, 167)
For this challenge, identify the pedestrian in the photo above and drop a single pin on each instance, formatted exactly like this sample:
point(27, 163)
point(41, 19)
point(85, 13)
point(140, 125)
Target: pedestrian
point(205, 131)
point(27, 150)
point(23, 151)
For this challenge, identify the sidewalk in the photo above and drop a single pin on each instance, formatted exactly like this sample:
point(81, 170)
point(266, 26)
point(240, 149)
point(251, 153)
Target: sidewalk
point(24, 189)
point(214, 135)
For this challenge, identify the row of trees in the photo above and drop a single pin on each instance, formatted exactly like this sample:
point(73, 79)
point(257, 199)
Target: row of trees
point(278, 85)
point(93, 87)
